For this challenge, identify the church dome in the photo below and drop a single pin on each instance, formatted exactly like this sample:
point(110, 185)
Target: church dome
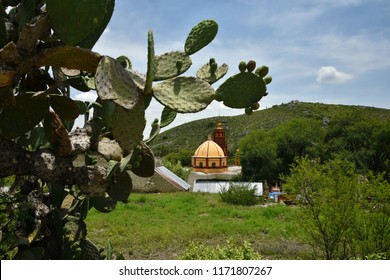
point(209, 149)
point(209, 158)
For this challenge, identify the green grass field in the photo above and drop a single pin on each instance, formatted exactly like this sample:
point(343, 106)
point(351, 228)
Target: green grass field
point(161, 226)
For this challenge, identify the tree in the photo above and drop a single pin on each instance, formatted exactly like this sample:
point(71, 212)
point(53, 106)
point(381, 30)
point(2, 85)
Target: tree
point(267, 154)
point(352, 136)
point(258, 157)
point(346, 215)
point(381, 143)
point(297, 138)
point(327, 195)
point(46, 50)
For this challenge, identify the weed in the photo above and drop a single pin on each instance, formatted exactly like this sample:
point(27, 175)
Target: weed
point(239, 195)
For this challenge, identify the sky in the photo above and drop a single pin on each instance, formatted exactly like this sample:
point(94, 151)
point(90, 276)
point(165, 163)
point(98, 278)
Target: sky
point(329, 51)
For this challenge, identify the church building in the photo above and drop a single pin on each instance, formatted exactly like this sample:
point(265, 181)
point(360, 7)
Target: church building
point(211, 156)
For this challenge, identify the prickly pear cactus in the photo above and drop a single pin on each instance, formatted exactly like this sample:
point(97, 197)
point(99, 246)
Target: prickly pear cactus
point(200, 36)
point(142, 161)
point(172, 64)
point(115, 83)
point(245, 89)
point(78, 22)
point(152, 66)
point(184, 94)
point(89, 167)
point(212, 72)
point(167, 116)
point(128, 125)
point(241, 90)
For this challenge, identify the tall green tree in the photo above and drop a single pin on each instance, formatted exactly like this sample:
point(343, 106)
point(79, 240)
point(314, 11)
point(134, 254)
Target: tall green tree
point(258, 157)
point(298, 138)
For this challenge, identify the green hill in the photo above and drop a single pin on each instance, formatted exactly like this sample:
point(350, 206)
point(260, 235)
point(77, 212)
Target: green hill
point(191, 135)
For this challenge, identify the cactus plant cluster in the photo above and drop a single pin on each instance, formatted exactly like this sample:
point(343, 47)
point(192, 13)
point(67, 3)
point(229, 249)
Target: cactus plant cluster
point(46, 51)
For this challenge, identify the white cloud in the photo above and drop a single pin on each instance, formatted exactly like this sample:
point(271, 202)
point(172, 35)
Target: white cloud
point(329, 74)
point(85, 96)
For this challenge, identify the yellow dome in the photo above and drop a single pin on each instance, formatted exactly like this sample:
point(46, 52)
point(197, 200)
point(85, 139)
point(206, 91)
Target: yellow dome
point(209, 149)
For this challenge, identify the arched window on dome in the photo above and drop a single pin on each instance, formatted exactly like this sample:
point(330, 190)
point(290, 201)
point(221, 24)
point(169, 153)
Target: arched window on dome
point(200, 164)
point(213, 165)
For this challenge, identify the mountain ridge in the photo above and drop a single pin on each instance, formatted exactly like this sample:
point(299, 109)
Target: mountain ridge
point(190, 135)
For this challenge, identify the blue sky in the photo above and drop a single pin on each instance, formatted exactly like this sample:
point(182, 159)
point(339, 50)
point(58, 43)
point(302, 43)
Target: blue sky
point(330, 51)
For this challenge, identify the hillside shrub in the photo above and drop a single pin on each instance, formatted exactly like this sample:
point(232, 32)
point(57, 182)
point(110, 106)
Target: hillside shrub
point(201, 251)
point(239, 194)
point(345, 215)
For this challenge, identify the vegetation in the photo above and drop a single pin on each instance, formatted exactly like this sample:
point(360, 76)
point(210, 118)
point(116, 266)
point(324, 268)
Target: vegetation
point(239, 194)
point(266, 155)
point(61, 172)
point(178, 169)
point(346, 215)
point(227, 252)
point(163, 226)
point(189, 135)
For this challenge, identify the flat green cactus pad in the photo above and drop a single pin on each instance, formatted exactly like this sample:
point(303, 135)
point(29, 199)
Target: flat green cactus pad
point(154, 132)
point(146, 164)
point(76, 21)
point(121, 186)
point(206, 74)
point(128, 125)
point(27, 113)
point(167, 65)
point(115, 83)
point(200, 36)
point(103, 204)
point(241, 90)
point(167, 117)
point(184, 94)
point(65, 107)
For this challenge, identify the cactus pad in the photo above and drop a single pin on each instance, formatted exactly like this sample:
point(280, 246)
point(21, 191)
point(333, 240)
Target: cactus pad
point(115, 83)
point(145, 165)
point(121, 186)
point(167, 117)
point(79, 22)
point(65, 107)
point(184, 94)
point(21, 118)
point(241, 90)
point(206, 72)
point(200, 36)
point(128, 125)
point(172, 64)
point(262, 71)
point(124, 61)
point(152, 66)
point(103, 204)
point(154, 132)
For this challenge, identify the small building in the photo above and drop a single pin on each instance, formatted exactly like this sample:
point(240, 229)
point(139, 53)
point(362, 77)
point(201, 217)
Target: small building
point(209, 158)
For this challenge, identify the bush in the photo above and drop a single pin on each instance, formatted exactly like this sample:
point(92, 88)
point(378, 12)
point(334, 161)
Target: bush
point(345, 215)
point(239, 195)
point(198, 251)
point(178, 169)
